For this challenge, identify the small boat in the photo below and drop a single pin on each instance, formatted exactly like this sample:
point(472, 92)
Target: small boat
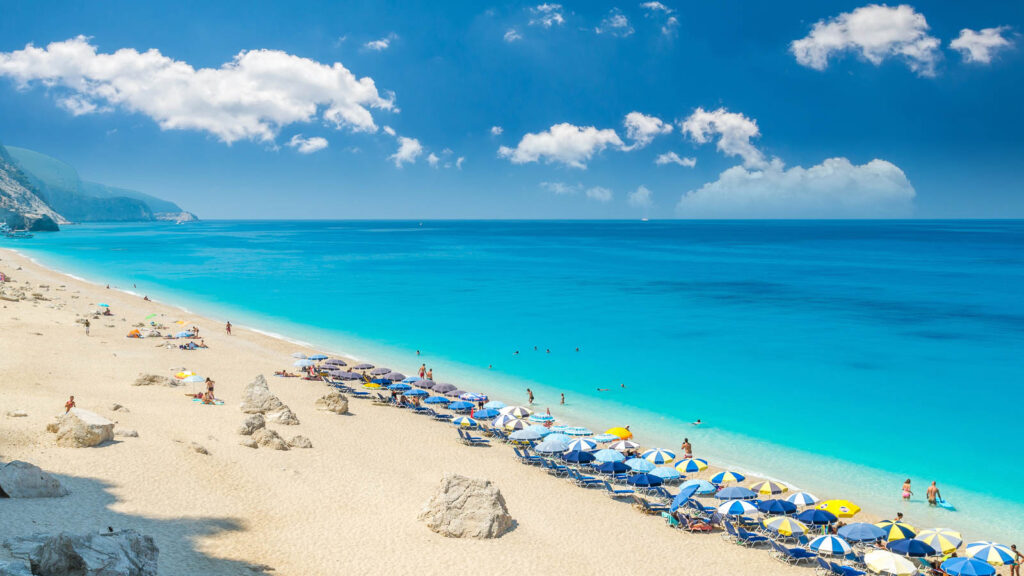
point(18, 234)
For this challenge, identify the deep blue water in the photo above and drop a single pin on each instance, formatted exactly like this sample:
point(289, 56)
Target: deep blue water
point(840, 356)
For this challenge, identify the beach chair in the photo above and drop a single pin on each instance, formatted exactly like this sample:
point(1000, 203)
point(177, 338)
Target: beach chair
point(470, 440)
point(553, 468)
point(380, 399)
point(641, 504)
point(840, 570)
point(582, 480)
point(745, 538)
point(617, 493)
point(359, 394)
point(792, 555)
point(659, 492)
point(695, 525)
point(442, 417)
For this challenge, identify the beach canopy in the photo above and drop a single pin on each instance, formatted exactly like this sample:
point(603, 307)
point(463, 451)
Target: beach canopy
point(578, 457)
point(524, 435)
point(994, 554)
point(485, 413)
point(728, 476)
point(616, 467)
point(896, 530)
point(911, 547)
point(551, 446)
point(474, 397)
point(623, 445)
point(608, 455)
point(942, 539)
point(702, 486)
point(460, 405)
point(379, 371)
point(666, 473)
point(585, 444)
point(882, 562)
point(578, 431)
point(685, 493)
point(437, 400)
point(692, 465)
point(816, 517)
point(464, 422)
point(645, 480)
point(861, 532)
point(517, 424)
point(517, 411)
point(318, 357)
point(776, 507)
point(735, 493)
point(830, 545)
point(768, 488)
point(495, 405)
point(786, 526)
point(841, 508)
point(541, 418)
point(659, 456)
point(605, 438)
point(736, 508)
point(967, 567)
point(619, 432)
point(639, 465)
point(363, 366)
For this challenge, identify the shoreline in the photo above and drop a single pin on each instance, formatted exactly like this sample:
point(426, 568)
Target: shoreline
point(579, 419)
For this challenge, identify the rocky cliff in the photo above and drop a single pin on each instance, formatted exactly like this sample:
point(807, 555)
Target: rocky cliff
point(20, 206)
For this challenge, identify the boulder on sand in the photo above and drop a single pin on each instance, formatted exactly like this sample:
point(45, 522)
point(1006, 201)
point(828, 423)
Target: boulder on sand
point(23, 480)
point(17, 414)
point(257, 398)
point(267, 438)
point(82, 429)
point(467, 508)
point(333, 401)
point(252, 424)
point(284, 416)
point(153, 380)
point(124, 553)
point(300, 442)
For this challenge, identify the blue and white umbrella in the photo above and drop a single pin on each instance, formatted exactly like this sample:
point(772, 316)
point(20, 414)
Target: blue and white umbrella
point(544, 432)
point(560, 428)
point(412, 379)
point(624, 445)
point(585, 444)
point(502, 419)
point(526, 435)
point(967, 567)
point(639, 465)
point(659, 456)
point(541, 418)
point(318, 357)
point(607, 455)
point(727, 476)
point(464, 422)
point(736, 508)
point(437, 400)
point(298, 355)
point(605, 438)
point(474, 397)
point(551, 446)
point(703, 486)
point(302, 363)
point(666, 473)
point(994, 554)
point(516, 424)
point(802, 499)
point(830, 545)
point(495, 404)
point(578, 431)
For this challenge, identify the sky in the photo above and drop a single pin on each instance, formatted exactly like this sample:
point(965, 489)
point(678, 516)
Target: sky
point(419, 110)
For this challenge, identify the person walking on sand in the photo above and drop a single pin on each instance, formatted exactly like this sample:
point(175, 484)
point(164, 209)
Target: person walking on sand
point(69, 405)
point(86, 323)
point(687, 449)
point(529, 394)
point(1015, 565)
point(933, 494)
point(227, 328)
point(907, 493)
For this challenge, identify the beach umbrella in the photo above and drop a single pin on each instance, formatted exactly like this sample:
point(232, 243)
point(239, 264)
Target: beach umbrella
point(841, 508)
point(666, 473)
point(495, 405)
point(692, 465)
point(623, 445)
point(517, 411)
point(501, 419)
point(639, 465)
point(302, 363)
point(967, 567)
point(911, 547)
point(452, 393)
point(347, 376)
point(474, 397)
point(336, 362)
point(619, 432)
point(617, 467)
point(702, 486)
point(411, 379)
point(605, 438)
point(426, 384)
point(442, 388)
point(517, 424)
point(464, 422)
point(524, 435)
point(294, 354)
point(551, 446)
point(583, 444)
point(802, 499)
point(659, 456)
point(485, 413)
point(193, 379)
point(578, 431)
point(896, 530)
point(776, 507)
point(942, 539)
point(394, 376)
point(560, 437)
point(187, 334)
point(417, 393)
point(363, 366)
point(882, 562)
point(994, 554)
point(183, 322)
point(578, 457)
point(768, 488)
point(437, 400)
point(816, 517)
point(735, 493)
point(371, 385)
point(736, 508)
point(559, 428)
point(830, 545)
point(400, 387)
point(460, 405)
point(543, 431)
point(318, 357)
point(728, 476)
point(541, 418)
point(607, 455)
point(685, 493)
point(379, 371)
point(786, 526)
point(644, 480)
point(861, 532)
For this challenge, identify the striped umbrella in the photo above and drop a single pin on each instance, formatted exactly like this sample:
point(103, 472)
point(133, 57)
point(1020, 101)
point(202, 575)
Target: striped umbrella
point(896, 530)
point(692, 465)
point(883, 562)
point(495, 404)
point(464, 422)
point(541, 418)
point(515, 423)
point(584, 444)
point(502, 419)
point(578, 431)
point(659, 456)
point(474, 397)
point(802, 499)
point(841, 508)
point(623, 445)
point(768, 488)
point(830, 545)
point(786, 526)
point(911, 548)
point(605, 438)
point(994, 554)
point(728, 476)
point(942, 539)
point(517, 411)
point(666, 473)
point(736, 508)
point(967, 567)
point(639, 465)
point(607, 455)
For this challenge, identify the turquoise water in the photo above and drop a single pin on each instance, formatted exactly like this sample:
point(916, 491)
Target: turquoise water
point(840, 356)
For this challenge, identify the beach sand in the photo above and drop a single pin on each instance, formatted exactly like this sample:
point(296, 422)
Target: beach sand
point(348, 505)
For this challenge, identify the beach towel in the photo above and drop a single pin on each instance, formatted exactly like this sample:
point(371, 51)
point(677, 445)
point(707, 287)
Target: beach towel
point(215, 402)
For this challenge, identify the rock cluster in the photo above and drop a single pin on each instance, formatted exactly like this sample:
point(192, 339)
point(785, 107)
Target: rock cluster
point(467, 508)
point(82, 429)
point(257, 399)
point(333, 401)
point(154, 380)
point(124, 553)
point(267, 438)
point(23, 480)
point(252, 424)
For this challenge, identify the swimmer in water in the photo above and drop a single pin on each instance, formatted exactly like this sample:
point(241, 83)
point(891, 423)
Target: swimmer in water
point(697, 423)
point(603, 389)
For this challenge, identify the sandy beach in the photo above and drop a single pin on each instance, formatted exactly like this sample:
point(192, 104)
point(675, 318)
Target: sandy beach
point(349, 504)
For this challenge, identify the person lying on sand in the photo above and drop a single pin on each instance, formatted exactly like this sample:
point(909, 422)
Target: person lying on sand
point(106, 312)
point(285, 374)
point(208, 397)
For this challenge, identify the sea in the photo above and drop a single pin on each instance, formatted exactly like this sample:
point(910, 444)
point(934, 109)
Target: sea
point(840, 357)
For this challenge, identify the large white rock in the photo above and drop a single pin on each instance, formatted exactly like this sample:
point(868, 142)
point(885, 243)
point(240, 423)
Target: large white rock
point(124, 553)
point(284, 416)
point(252, 424)
point(23, 480)
point(467, 508)
point(257, 398)
point(267, 438)
point(333, 401)
point(82, 429)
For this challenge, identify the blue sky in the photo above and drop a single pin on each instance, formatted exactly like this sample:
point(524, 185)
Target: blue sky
point(794, 109)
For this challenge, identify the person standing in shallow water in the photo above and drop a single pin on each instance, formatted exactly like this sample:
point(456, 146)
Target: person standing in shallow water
point(529, 394)
point(687, 448)
point(906, 490)
point(227, 328)
point(563, 398)
point(933, 494)
point(86, 326)
point(430, 374)
point(423, 371)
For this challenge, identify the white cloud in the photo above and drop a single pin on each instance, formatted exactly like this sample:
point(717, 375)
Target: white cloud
point(408, 150)
point(511, 35)
point(599, 194)
point(876, 32)
point(561, 188)
point(656, 7)
point(734, 131)
point(382, 44)
point(547, 15)
point(571, 145)
point(979, 47)
point(670, 26)
point(615, 24)
point(249, 98)
point(433, 160)
point(640, 198)
point(836, 188)
point(496, 130)
point(79, 106)
point(659, 10)
point(307, 145)
point(673, 158)
point(459, 161)
point(642, 129)
point(388, 130)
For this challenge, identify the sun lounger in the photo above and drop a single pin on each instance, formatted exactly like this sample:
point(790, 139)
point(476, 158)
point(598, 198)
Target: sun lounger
point(528, 458)
point(617, 493)
point(743, 537)
point(582, 480)
point(826, 568)
point(553, 468)
point(641, 504)
point(659, 492)
point(442, 417)
point(683, 522)
point(470, 440)
point(792, 555)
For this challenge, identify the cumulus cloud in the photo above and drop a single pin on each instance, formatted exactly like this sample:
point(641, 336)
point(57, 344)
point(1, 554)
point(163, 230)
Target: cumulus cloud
point(599, 194)
point(640, 198)
point(659, 10)
point(511, 35)
point(673, 158)
point(307, 145)
point(836, 188)
point(382, 44)
point(408, 150)
point(656, 7)
point(876, 32)
point(249, 98)
point(79, 106)
point(978, 47)
point(564, 143)
point(496, 130)
point(615, 24)
point(388, 130)
point(561, 188)
point(433, 160)
point(547, 15)
point(734, 132)
point(669, 28)
point(642, 129)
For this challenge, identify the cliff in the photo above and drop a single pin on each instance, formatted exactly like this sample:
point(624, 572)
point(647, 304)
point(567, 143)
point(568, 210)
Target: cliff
point(20, 206)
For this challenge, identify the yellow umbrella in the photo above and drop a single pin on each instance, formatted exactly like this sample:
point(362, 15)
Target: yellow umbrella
point(841, 508)
point(182, 322)
point(767, 488)
point(183, 375)
point(622, 433)
point(371, 385)
point(896, 530)
point(786, 526)
point(942, 539)
point(883, 562)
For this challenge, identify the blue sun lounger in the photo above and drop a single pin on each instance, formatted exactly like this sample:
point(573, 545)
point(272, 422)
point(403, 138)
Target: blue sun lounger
point(793, 555)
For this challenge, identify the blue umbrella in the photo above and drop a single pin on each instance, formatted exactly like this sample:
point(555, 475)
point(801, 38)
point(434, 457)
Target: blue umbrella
point(605, 438)
point(967, 567)
point(416, 393)
point(645, 480)
point(736, 493)
point(861, 532)
point(539, 430)
point(776, 507)
point(104, 305)
point(551, 445)
point(583, 444)
point(412, 379)
point(460, 405)
point(474, 397)
point(578, 456)
point(817, 517)
point(485, 413)
point(701, 486)
point(495, 404)
point(436, 400)
point(911, 547)
point(182, 334)
point(400, 387)
point(607, 455)
point(561, 428)
point(639, 465)
point(666, 473)
point(524, 435)
point(318, 357)
point(560, 437)
point(616, 467)
point(685, 493)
